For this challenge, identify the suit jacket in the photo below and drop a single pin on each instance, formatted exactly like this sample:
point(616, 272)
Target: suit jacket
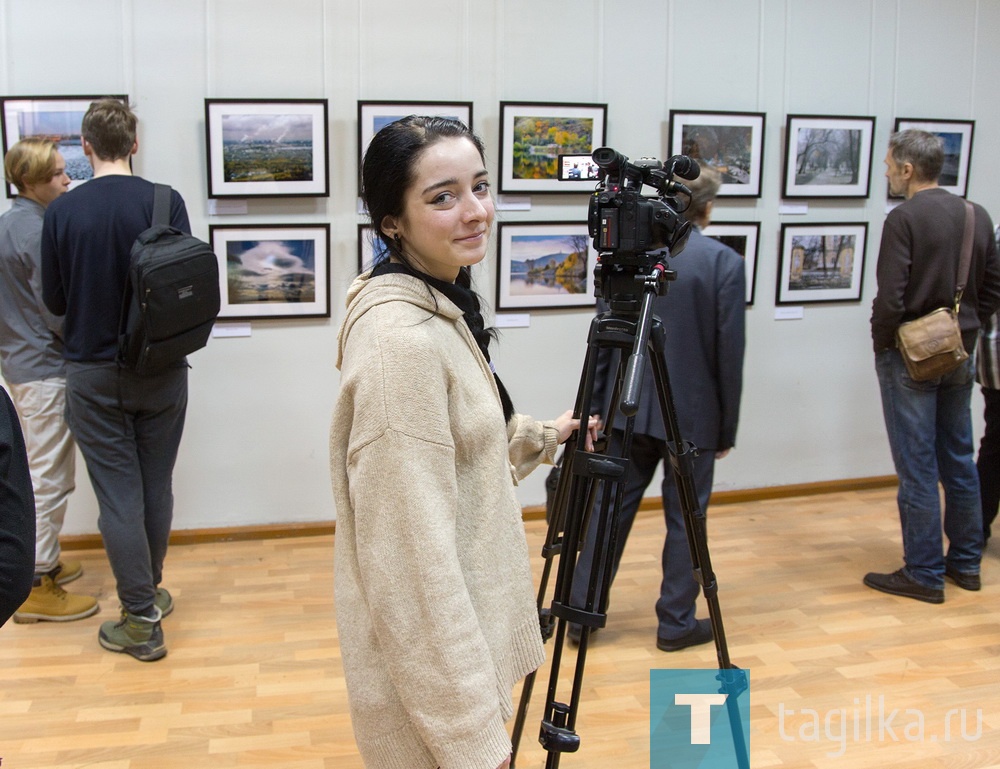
point(703, 313)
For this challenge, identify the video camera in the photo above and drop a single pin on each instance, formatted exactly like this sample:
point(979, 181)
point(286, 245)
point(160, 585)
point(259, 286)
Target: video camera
point(633, 232)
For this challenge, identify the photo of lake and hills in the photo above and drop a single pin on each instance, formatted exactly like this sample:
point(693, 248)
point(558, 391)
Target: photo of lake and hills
point(548, 264)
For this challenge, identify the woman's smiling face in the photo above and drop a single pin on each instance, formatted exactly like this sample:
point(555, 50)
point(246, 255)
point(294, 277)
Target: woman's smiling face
point(447, 210)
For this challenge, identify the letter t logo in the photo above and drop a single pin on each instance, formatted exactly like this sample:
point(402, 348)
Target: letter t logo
point(701, 714)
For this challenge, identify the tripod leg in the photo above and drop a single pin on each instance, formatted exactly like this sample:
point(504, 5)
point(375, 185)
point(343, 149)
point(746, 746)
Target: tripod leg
point(682, 458)
point(575, 503)
point(572, 502)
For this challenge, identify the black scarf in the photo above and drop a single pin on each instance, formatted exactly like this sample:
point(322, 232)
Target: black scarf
point(468, 302)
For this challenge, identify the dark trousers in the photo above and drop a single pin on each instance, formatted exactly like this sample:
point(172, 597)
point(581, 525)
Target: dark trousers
point(988, 462)
point(129, 428)
point(17, 513)
point(675, 608)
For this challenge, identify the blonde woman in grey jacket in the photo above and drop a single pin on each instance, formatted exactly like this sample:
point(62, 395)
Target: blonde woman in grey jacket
point(433, 590)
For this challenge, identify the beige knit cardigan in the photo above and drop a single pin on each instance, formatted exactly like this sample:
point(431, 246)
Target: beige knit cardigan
point(433, 591)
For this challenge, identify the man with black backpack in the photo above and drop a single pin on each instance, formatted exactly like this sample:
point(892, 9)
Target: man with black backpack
point(127, 422)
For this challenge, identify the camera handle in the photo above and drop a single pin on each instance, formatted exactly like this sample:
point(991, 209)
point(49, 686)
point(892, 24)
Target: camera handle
point(584, 475)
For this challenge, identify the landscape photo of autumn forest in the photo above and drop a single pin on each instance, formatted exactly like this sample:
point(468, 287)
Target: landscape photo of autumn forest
point(539, 141)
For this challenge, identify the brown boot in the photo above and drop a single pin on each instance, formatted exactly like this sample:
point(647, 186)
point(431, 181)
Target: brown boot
point(66, 571)
point(50, 603)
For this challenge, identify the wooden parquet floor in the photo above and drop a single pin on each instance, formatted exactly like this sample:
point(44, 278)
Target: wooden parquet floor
point(253, 675)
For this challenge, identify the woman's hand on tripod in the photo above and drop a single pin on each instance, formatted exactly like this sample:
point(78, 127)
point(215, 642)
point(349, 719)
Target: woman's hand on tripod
point(567, 425)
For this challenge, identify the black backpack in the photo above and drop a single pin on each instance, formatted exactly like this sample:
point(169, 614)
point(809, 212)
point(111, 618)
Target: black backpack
point(171, 295)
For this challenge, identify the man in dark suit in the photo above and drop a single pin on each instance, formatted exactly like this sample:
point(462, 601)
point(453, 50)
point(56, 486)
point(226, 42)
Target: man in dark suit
point(703, 316)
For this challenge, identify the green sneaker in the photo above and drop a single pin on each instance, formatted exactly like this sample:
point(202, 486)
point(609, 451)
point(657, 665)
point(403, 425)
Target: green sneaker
point(163, 601)
point(139, 636)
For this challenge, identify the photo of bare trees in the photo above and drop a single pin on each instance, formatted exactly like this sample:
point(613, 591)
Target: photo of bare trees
point(821, 262)
point(828, 156)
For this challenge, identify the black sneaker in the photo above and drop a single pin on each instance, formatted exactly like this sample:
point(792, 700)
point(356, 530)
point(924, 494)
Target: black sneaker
point(900, 583)
point(701, 634)
point(964, 581)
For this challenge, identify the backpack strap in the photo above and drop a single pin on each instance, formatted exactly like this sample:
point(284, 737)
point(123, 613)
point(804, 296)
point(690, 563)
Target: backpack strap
point(161, 204)
point(161, 215)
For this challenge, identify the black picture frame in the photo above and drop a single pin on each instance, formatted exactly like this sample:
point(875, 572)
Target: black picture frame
point(56, 117)
point(828, 156)
point(810, 269)
point(957, 136)
point(370, 249)
point(539, 266)
point(528, 164)
point(375, 115)
point(744, 239)
point(730, 142)
point(272, 271)
point(267, 148)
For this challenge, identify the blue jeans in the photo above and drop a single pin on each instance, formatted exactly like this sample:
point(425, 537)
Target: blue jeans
point(930, 435)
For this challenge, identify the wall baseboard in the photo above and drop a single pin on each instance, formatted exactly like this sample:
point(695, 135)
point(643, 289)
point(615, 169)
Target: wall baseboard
point(533, 512)
point(736, 496)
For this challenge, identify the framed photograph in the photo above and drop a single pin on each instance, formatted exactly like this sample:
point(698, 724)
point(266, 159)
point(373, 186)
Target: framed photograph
point(731, 142)
point(821, 262)
point(373, 116)
point(55, 117)
point(370, 248)
point(534, 134)
point(828, 156)
point(545, 265)
point(270, 271)
point(957, 137)
point(267, 148)
point(743, 238)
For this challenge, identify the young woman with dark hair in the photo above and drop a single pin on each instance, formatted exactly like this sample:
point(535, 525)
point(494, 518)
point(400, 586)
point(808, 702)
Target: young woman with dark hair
point(433, 590)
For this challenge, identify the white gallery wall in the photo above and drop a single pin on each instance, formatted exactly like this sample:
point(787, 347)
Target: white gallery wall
point(255, 446)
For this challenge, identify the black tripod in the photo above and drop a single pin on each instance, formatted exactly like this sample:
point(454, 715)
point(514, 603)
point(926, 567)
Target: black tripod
point(629, 325)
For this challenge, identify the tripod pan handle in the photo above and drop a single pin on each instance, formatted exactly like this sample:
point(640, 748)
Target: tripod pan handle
point(632, 386)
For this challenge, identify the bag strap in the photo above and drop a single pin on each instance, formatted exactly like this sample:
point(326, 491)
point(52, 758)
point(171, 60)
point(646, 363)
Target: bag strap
point(966, 258)
point(161, 204)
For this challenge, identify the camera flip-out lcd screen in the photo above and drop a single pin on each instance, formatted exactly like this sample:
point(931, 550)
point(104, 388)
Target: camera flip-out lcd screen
point(573, 168)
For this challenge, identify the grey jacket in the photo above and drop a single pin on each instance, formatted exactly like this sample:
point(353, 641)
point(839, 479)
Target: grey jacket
point(30, 343)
